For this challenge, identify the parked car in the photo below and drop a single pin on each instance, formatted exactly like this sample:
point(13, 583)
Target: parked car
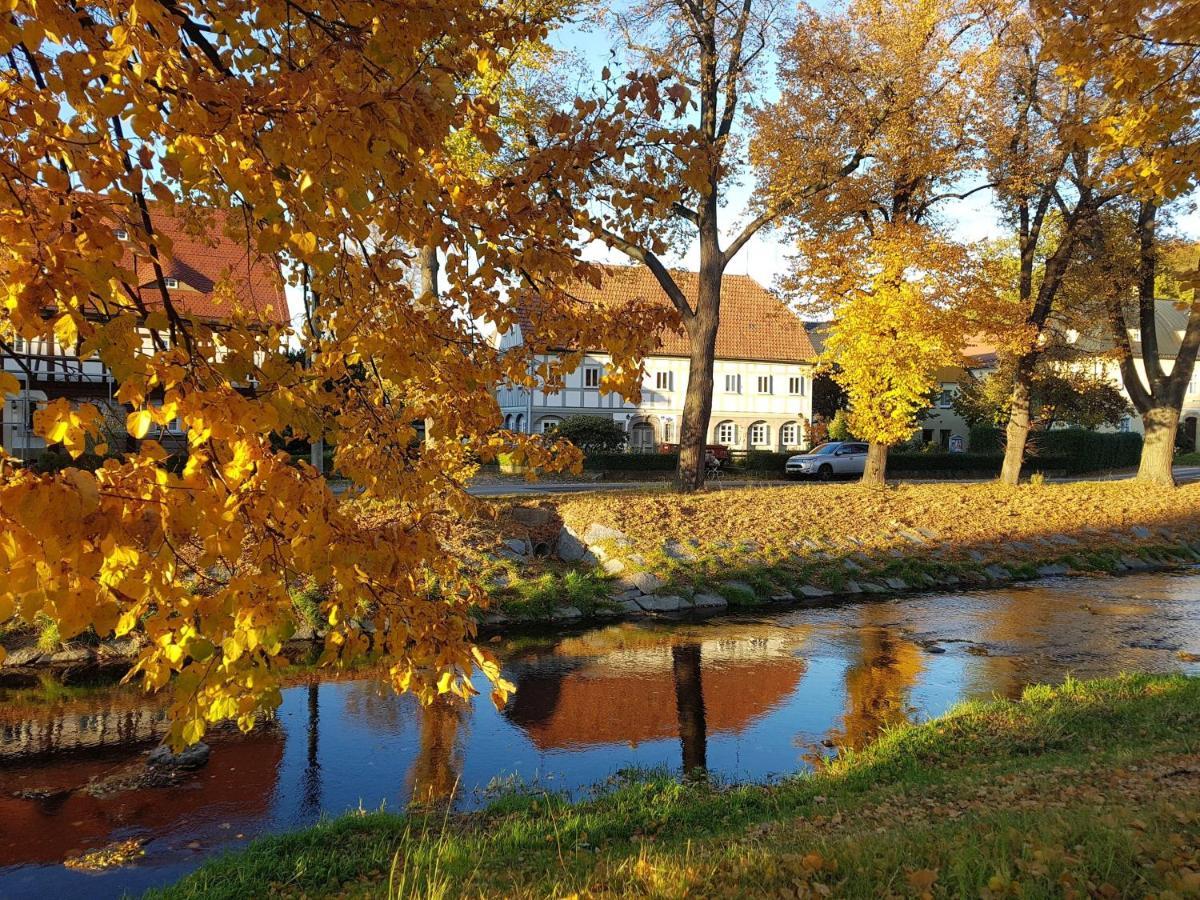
point(828, 460)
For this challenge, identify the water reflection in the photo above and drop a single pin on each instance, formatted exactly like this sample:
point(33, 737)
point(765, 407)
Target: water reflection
point(740, 697)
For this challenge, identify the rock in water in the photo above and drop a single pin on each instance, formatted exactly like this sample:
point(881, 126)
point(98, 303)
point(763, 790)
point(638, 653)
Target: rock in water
point(192, 757)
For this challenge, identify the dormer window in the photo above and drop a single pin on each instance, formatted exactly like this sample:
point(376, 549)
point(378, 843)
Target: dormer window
point(171, 283)
point(121, 234)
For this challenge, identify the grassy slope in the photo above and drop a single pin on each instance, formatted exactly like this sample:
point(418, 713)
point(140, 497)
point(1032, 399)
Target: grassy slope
point(1091, 788)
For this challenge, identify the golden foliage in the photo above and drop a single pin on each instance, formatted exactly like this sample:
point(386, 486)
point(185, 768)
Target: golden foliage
point(327, 139)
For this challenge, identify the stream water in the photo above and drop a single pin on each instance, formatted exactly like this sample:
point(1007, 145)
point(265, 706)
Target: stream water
point(749, 697)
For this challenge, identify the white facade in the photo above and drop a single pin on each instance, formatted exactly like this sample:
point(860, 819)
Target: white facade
point(756, 405)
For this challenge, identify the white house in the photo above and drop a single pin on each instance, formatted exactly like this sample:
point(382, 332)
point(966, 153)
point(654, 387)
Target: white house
point(762, 388)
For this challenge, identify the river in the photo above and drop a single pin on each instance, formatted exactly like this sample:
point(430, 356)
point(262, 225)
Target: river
point(747, 697)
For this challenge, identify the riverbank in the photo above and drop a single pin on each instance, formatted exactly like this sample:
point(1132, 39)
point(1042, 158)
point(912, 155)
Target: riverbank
point(601, 557)
point(1089, 788)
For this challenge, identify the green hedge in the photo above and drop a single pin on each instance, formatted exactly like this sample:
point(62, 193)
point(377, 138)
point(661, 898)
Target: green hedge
point(980, 463)
point(631, 462)
point(985, 439)
point(1087, 451)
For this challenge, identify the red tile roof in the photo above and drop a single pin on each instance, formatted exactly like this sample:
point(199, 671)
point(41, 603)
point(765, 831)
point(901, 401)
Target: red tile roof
point(207, 249)
point(754, 325)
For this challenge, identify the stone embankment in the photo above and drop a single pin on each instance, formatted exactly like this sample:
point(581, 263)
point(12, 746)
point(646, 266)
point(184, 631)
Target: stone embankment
point(685, 577)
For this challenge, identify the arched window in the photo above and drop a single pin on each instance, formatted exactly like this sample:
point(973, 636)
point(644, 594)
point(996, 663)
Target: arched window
point(548, 423)
point(519, 424)
point(727, 433)
point(508, 422)
point(760, 435)
point(788, 435)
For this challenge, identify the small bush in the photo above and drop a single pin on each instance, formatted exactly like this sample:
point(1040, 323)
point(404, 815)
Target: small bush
point(839, 427)
point(307, 602)
point(631, 462)
point(1076, 450)
point(592, 434)
point(985, 439)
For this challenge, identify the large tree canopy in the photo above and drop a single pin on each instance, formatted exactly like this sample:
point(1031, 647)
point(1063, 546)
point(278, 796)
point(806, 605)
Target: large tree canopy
point(326, 137)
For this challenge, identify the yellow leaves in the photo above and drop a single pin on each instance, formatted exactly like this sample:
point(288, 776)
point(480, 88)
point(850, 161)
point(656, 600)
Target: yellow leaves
point(305, 241)
point(922, 881)
point(61, 423)
point(138, 423)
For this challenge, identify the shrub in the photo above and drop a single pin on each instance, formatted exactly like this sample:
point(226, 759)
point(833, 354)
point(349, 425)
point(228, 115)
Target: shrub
point(985, 439)
point(307, 602)
point(592, 434)
point(839, 427)
point(631, 462)
point(1077, 450)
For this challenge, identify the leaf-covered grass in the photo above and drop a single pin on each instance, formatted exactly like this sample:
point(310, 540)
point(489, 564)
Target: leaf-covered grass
point(1087, 788)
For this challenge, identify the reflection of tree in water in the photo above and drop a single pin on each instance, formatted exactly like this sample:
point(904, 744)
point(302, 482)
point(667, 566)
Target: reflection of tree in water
point(878, 683)
point(376, 701)
point(311, 788)
point(436, 770)
point(689, 703)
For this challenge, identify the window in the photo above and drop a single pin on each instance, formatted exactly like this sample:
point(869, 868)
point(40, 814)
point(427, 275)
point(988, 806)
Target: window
point(668, 429)
point(787, 433)
point(733, 384)
point(508, 422)
point(1135, 334)
point(926, 435)
point(727, 433)
point(1124, 424)
point(121, 234)
point(1194, 387)
point(796, 385)
point(760, 434)
point(765, 384)
point(944, 438)
point(591, 377)
point(946, 397)
point(171, 282)
point(664, 381)
point(519, 425)
point(549, 423)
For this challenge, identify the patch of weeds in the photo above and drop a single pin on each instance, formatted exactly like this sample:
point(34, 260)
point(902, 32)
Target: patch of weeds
point(49, 639)
point(738, 596)
point(539, 596)
point(306, 600)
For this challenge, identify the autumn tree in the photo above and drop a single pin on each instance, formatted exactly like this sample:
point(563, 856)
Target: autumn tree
point(1060, 395)
point(667, 186)
point(893, 85)
point(1144, 57)
point(1049, 186)
point(317, 135)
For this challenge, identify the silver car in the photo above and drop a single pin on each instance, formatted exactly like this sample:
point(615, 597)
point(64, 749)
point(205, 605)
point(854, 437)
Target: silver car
point(825, 461)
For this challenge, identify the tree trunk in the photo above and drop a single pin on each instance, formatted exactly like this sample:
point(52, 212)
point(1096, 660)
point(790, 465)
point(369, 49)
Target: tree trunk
point(1158, 451)
point(875, 471)
point(697, 403)
point(1017, 432)
point(428, 286)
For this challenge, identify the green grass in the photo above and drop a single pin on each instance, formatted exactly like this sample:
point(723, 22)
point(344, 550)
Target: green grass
point(1088, 787)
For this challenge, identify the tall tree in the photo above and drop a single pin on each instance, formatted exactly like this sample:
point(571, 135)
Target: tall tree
point(1049, 186)
point(317, 135)
point(670, 184)
point(1145, 56)
point(892, 84)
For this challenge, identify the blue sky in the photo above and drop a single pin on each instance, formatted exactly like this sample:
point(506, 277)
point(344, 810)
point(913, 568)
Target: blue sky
point(766, 256)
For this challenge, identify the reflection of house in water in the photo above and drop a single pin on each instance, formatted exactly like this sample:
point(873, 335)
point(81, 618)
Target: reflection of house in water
point(630, 685)
point(33, 726)
point(239, 780)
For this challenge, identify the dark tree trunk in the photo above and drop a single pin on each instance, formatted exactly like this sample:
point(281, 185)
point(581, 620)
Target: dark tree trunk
point(702, 334)
point(1016, 435)
point(1161, 423)
point(875, 472)
point(689, 705)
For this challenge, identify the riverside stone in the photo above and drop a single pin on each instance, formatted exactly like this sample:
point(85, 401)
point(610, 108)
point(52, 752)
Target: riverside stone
point(812, 591)
point(613, 566)
point(709, 601)
point(597, 532)
point(1141, 532)
point(569, 547)
point(566, 614)
point(646, 582)
point(532, 516)
point(518, 546)
point(1051, 569)
point(997, 572)
point(664, 603)
point(192, 757)
point(896, 584)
